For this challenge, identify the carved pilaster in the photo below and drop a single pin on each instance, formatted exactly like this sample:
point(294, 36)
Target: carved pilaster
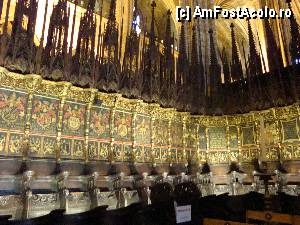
point(278, 133)
point(170, 160)
point(198, 144)
point(133, 128)
point(32, 83)
point(185, 135)
point(93, 190)
point(228, 141)
point(111, 129)
point(63, 191)
point(26, 194)
point(207, 144)
point(89, 105)
point(153, 108)
point(239, 143)
point(63, 96)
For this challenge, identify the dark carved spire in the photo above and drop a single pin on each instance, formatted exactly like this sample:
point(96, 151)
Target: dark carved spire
point(4, 37)
point(295, 37)
point(111, 48)
point(277, 87)
point(255, 94)
point(129, 83)
point(214, 67)
point(1, 7)
point(84, 59)
point(168, 38)
point(274, 54)
point(201, 66)
point(150, 87)
point(236, 66)
point(255, 66)
point(183, 58)
point(228, 95)
point(214, 77)
point(195, 81)
point(182, 69)
point(152, 31)
point(54, 57)
point(226, 69)
point(168, 66)
point(213, 54)
point(21, 47)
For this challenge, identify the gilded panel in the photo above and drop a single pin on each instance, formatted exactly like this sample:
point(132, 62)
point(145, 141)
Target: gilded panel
point(147, 154)
point(13, 106)
point(49, 144)
point(164, 154)
point(73, 119)
point(290, 152)
point(248, 155)
point(51, 88)
point(15, 144)
point(234, 156)
point(161, 132)
point(156, 154)
point(268, 115)
point(93, 147)
point(118, 152)
point(272, 153)
point(99, 123)
point(271, 132)
point(191, 135)
point(143, 129)
point(296, 152)
point(247, 118)
point(78, 149)
point(66, 146)
point(233, 120)
point(286, 112)
point(233, 137)
point(127, 153)
point(290, 130)
point(2, 142)
point(139, 152)
point(181, 158)
point(202, 138)
point(176, 134)
point(287, 152)
point(35, 146)
point(123, 123)
point(103, 150)
point(218, 157)
point(41, 146)
point(173, 153)
point(212, 121)
point(217, 137)
point(81, 94)
point(202, 156)
point(192, 155)
point(44, 115)
point(248, 136)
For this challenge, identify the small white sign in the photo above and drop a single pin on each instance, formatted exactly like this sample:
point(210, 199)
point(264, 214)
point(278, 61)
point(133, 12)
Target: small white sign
point(183, 213)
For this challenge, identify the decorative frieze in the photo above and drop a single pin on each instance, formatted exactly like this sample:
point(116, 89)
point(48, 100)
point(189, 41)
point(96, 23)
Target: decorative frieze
point(58, 120)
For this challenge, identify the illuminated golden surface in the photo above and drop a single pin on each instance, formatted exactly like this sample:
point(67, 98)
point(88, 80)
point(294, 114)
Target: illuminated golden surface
point(137, 131)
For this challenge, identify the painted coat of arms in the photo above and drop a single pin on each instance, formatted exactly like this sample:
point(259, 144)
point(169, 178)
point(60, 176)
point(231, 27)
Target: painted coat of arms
point(143, 129)
point(73, 118)
point(99, 124)
point(44, 114)
point(123, 126)
point(12, 108)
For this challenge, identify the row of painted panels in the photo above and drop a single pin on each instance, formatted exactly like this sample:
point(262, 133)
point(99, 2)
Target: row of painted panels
point(168, 138)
